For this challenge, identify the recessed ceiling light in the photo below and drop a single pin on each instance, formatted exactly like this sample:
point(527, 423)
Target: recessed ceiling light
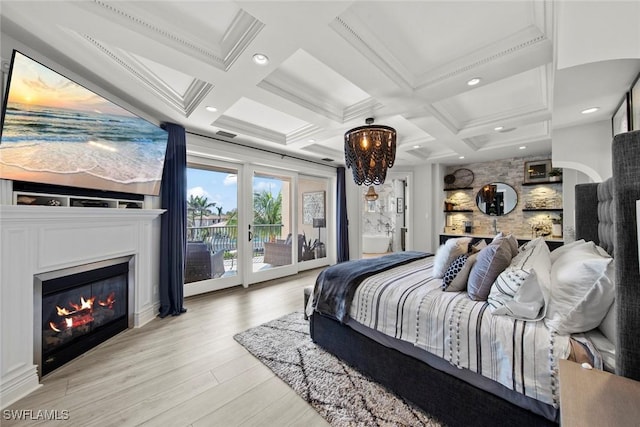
point(522, 147)
point(474, 81)
point(590, 110)
point(260, 59)
point(498, 128)
point(312, 140)
point(416, 146)
point(210, 108)
point(461, 157)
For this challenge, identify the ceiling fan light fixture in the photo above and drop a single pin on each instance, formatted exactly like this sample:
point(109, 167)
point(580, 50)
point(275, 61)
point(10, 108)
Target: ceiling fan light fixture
point(369, 151)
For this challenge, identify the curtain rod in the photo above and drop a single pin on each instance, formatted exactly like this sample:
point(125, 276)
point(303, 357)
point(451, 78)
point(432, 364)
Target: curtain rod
point(262, 149)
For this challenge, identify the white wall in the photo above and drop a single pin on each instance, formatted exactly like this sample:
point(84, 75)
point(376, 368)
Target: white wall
point(427, 210)
point(585, 148)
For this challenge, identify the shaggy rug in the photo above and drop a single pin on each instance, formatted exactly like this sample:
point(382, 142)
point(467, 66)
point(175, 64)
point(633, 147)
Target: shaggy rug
point(342, 395)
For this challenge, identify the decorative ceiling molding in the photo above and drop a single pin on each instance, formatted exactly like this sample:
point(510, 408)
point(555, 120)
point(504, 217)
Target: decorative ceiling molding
point(532, 112)
point(490, 54)
point(355, 33)
point(365, 107)
point(242, 30)
point(238, 36)
point(297, 95)
point(323, 151)
point(302, 133)
point(184, 103)
point(246, 128)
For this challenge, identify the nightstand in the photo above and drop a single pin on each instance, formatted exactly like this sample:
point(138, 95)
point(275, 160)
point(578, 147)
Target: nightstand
point(589, 397)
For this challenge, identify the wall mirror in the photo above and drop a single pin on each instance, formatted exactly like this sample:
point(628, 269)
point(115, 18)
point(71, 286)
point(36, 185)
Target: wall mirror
point(496, 199)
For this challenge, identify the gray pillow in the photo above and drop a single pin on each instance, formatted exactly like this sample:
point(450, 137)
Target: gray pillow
point(460, 282)
point(491, 261)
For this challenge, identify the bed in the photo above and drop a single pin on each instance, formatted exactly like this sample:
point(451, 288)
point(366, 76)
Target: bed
point(425, 344)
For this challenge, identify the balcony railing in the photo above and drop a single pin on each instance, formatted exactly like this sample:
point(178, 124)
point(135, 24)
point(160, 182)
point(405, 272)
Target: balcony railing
point(225, 237)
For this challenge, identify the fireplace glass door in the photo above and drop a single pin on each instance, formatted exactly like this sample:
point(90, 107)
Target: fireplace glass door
point(81, 311)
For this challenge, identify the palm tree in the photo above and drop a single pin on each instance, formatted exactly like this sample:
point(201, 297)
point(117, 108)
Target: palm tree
point(268, 210)
point(198, 207)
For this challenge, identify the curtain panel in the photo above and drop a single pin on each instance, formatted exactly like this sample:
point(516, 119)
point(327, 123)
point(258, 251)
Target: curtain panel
point(174, 222)
point(342, 228)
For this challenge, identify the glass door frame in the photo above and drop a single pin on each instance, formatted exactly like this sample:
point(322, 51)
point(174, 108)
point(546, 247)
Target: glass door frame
point(249, 275)
point(209, 285)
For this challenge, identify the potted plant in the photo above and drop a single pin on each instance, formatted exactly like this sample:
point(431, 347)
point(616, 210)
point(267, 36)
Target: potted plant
point(308, 248)
point(555, 174)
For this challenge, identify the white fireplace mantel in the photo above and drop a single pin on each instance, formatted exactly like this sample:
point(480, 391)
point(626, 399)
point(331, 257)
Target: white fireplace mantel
point(38, 239)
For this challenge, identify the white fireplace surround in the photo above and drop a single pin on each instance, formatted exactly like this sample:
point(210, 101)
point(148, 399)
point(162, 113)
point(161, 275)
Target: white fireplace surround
point(39, 239)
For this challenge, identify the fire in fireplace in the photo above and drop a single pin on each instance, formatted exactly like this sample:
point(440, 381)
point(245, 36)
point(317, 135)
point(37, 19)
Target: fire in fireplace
point(79, 308)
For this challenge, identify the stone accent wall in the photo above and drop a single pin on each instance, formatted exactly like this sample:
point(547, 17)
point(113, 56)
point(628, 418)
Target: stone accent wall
point(524, 224)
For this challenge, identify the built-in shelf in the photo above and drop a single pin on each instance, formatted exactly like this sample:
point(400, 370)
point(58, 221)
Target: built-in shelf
point(461, 188)
point(541, 183)
point(43, 199)
point(542, 210)
point(459, 210)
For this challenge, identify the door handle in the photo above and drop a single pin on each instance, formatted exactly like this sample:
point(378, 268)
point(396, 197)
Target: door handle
point(250, 236)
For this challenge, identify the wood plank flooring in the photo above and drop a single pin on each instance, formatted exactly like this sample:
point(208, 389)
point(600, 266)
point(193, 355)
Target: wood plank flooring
point(182, 371)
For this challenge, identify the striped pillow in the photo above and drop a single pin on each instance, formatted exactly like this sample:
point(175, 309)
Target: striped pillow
point(521, 290)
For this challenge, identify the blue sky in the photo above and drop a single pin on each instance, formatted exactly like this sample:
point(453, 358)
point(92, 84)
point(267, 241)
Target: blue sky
point(222, 187)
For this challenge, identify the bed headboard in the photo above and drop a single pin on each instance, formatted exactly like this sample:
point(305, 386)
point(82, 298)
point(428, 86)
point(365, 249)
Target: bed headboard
point(606, 214)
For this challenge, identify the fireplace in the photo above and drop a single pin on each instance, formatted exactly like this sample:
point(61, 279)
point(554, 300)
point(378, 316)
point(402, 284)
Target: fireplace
point(78, 308)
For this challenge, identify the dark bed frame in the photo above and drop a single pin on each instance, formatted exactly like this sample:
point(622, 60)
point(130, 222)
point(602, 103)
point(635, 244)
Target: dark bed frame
point(606, 214)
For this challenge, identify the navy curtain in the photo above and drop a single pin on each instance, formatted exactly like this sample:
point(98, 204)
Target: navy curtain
point(343, 222)
point(173, 240)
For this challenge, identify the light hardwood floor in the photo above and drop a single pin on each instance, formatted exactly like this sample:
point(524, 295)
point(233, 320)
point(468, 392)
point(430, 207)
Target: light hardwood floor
point(182, 371)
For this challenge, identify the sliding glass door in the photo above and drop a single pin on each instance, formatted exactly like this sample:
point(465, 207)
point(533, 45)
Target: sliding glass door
point(211, 260)
point(270, 231)
point(248, 224)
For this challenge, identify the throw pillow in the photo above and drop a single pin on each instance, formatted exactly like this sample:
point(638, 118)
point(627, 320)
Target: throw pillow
point(478, 246)
point(582, 290)
point(446, 253)
point(521, 290)
point(459, 283)
point(511, 239)
point(491, 261)
point(558, 252)
point(454, 268)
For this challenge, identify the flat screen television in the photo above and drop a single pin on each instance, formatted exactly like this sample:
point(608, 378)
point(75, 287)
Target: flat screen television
point(55, 131)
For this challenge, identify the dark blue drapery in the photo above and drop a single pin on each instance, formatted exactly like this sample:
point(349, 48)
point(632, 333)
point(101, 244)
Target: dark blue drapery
point(343, 222)
point(174, 222)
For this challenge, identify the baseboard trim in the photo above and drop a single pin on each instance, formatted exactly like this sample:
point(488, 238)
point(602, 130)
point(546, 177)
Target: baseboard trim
point(18, 385)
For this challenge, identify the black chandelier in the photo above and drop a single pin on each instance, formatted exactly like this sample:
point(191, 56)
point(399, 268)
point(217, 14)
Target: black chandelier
point(370, 150)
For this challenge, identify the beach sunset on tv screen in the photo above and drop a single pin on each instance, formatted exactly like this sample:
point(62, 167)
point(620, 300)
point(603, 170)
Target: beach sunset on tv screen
point(57, 132)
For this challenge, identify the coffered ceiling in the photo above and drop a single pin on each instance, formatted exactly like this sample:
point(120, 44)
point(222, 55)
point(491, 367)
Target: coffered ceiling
point(331, 65)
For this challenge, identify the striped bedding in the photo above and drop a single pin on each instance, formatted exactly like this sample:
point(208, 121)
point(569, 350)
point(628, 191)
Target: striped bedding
point(407, 303)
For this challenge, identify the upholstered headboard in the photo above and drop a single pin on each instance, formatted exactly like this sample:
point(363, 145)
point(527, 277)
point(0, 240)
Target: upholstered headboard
point(606, 214)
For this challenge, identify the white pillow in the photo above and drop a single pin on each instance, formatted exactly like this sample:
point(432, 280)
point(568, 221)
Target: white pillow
point(561, 250)
point(446, 253)
point(521, 290)
point(581, 290)
point(608, 325)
